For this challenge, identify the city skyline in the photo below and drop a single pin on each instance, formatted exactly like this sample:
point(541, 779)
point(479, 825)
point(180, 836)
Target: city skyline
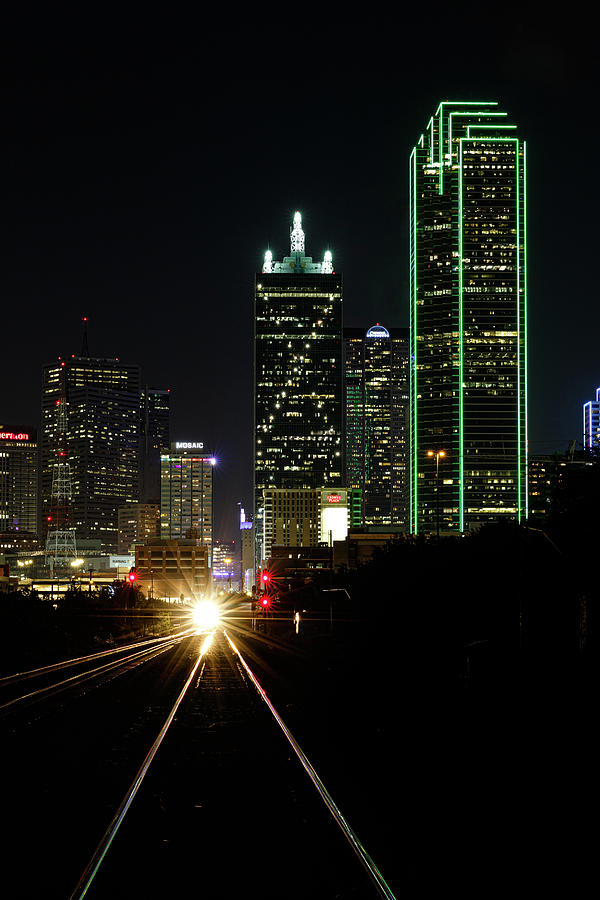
point(129, 237)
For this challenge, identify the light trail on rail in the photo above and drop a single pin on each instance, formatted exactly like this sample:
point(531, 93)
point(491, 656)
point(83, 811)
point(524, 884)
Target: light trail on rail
point(79, 660)
point(101, 850)
point(368, 864)
point(137, 658)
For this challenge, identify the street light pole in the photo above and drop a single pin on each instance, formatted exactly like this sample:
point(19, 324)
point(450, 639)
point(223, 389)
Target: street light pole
point(438, 454)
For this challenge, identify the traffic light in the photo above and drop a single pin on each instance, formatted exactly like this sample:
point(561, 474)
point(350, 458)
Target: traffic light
point(132, 575)
point(265, 578)
point(265, 602)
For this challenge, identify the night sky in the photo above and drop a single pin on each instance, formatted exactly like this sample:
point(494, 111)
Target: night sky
point(141, 188)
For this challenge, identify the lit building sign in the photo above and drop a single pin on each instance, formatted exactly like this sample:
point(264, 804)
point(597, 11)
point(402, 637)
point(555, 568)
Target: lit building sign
point(378, 331)
point(189, 445)
point(9, 436)
point(121, 562)
point(334, 497)
point(245, 526)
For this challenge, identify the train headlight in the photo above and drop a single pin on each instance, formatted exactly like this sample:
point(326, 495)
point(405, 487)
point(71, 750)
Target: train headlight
point(205, 615)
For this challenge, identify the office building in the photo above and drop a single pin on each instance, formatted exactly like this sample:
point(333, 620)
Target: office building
point(155, 438)
point(591, 423)
point(246, 552)
point(137, 522)
point(173, 569)
point(90, 435)
point(186, 493)
point(18, 480)
point(307, 518)
point(543, 472)
point(297, 374)
point(376, 407)
point(468, 318)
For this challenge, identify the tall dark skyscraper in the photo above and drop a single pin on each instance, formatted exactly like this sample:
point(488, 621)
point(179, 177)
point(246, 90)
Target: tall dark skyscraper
point(468, 316)
point(155, 437)
point(297, 374)
point(376, 406)
point(100, 402)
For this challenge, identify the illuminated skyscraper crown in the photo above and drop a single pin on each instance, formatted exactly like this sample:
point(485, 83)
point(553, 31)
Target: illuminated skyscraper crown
point(298, 262)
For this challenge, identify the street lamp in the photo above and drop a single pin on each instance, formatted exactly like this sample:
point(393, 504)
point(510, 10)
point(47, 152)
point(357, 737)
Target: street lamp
point(439, 454)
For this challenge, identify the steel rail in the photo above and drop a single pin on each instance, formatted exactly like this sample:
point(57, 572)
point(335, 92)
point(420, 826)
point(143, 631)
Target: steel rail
point(368, 864)
point(101, 850)
point(77, 660)
point(81, 677)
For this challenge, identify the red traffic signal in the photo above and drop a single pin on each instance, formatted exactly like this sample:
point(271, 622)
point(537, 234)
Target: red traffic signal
point(132, 574)
point(265, 577)
point(264, 602)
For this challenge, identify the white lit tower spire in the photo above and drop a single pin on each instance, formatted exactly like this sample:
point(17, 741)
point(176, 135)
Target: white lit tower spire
point(297, 235)
point(298, 262)
point(268, 263)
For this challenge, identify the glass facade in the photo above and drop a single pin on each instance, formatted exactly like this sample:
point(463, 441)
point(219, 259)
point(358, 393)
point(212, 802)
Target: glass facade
point(376, 405)
point(468, 317)
point(99, 401)
point(155, 435)
point(298, 376)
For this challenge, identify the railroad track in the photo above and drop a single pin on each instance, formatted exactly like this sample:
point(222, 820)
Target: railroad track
point(213, 784)
point(228, 790)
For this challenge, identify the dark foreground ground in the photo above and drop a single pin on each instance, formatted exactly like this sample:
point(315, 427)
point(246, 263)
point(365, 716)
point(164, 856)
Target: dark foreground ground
point(477, 778)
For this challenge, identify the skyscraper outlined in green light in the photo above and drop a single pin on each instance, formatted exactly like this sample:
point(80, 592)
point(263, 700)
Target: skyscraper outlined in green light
point(468, 320)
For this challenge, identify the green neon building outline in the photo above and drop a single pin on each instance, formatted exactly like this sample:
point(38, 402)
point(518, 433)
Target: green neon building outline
point(440, 111)
point(525, 363)
point(489, 127)
point(492, 136)
point(413, 478)
point(465, 112)
point(461, 501)
point(431, 140)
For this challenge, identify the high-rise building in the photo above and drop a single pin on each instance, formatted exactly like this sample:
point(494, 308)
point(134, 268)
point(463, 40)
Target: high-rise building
point(376, 406)
point(137, 522)
point(18, 479)
point(591, 423)
point(468, 318)
point(155, 437)
point(297, 374)
point(186, 493)
point(91, 423)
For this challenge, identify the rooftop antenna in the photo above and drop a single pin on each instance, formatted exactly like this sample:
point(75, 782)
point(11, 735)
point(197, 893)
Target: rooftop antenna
point(85, 352)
